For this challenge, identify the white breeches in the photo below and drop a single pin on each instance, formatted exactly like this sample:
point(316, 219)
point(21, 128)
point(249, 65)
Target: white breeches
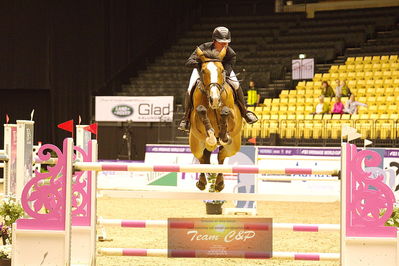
point(233, 81)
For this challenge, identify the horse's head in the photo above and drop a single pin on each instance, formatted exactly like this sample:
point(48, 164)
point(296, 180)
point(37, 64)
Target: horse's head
point(212, 76)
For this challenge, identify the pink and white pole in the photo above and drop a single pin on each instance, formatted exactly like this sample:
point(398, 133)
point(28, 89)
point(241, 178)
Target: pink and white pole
point(192, 254)
point(164, 224)
point(198, 168)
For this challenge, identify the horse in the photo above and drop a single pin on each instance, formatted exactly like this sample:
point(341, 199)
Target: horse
point(215, 119)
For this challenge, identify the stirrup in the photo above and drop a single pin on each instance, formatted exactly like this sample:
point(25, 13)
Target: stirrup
point(184, 126)
point(250, 117)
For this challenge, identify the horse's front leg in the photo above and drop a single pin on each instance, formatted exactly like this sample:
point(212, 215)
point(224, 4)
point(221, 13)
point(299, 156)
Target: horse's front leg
point(205, 159)
point(224, 137)
point(202, 113)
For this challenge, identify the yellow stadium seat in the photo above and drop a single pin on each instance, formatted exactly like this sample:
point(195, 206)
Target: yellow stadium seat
point(382, 109)
point(377, 75)
point(384, 58)
point(359, 75)
point(370, 83)
point(343, 76)
point(389, 91)
point(258, 110)
point(275, 101)
point(299, 93)
point(372, 108)
point(350, 61)
point(385, 66)
point(390, 99)
point(376, 59)
point(317, 92)
point(352, 84)
point(376, 67)
point(291, 109)
point(380, 92)
point(368, 67)
point(283, 101)
point(333, 69)
point(301, 85)
point(361, 92)
point(368, 75)
point(359, 60)
point(361, 83)
point(395, 74)
point(334, 76)
point(317, 84)
point(378, 83)
point(367, 59)
point(293, 93)
point(342, 68)
point(284, 94)
point(350, 68)
point(351, 75)
point(309, 101)
point(387, 74)
point(393, 58)
point(359, 67)
point(371, 100)
point(317, 77)
point(291, 101)
point(388, 83)
point(309, 109)
point(393, 109)
point(267, 101)
point(300, 110)
point(394, 116)
point(309, 84)
point(394, 66)
point(396, 83)
point(274, 109)
point(266, 109)
point(326, 76)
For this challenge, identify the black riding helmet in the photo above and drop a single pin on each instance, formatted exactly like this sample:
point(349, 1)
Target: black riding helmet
point(221, 34)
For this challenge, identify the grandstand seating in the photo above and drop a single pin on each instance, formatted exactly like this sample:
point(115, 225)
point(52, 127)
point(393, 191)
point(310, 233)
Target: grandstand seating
point(290, 115)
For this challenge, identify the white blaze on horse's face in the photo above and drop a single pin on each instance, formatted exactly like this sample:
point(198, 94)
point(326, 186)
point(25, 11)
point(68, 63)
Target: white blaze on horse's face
point(214, 93)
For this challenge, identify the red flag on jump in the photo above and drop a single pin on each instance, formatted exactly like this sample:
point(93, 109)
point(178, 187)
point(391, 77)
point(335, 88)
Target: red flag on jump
point(252, 140)
point(92, 128)
point(67, 126)
point(7, 119)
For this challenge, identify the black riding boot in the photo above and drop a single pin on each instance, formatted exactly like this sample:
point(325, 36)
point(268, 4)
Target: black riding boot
point(188, 106)
point(249, 116)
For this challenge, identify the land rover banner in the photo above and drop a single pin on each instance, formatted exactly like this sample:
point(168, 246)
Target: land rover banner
point(135, 109)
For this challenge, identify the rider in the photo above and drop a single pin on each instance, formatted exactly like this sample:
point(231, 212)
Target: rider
point(221, 38)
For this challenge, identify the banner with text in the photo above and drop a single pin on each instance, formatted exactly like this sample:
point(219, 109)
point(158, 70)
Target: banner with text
point(135, 109)
point(220, 237)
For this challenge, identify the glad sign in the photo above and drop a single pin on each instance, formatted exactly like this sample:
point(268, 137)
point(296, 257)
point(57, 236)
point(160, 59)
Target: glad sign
point(135, 109)
point(220, 237)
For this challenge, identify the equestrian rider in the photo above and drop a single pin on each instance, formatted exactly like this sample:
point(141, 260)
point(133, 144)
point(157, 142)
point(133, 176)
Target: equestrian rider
point(221, 38)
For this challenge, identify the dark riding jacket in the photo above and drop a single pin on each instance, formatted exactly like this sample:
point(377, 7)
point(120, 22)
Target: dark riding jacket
point(228, 61)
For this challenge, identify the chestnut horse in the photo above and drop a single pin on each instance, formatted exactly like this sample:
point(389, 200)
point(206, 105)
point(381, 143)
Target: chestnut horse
point(215, 119)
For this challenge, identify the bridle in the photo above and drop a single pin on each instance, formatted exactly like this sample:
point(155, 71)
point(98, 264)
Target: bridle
point(205, 89)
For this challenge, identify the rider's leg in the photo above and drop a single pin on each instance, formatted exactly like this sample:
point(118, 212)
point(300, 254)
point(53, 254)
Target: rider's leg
point(188, 105)
point(249, 116)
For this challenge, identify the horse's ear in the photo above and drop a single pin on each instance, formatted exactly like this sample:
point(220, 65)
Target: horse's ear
point(222, 53)
point(200, 54)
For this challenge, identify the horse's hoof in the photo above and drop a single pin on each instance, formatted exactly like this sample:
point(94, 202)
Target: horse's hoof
point(200, 185)
point(219, 186)
point(223, 143)
point(211, 140)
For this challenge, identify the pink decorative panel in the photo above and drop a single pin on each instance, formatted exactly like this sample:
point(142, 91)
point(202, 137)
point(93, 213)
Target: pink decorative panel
point(366, 197)
point(43, 197)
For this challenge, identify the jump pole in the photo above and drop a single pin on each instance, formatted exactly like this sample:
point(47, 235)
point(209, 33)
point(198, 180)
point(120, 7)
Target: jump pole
point(164, 224)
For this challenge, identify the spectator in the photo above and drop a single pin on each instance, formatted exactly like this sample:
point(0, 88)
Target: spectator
point(338, 107)
point(327, 91)
point(352, 105)
point(342, 89)
point(253, 96)
point(322, 107)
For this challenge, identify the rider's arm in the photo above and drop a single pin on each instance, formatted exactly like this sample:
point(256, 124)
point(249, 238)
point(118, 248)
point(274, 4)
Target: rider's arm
point(229, 60)
point(193, 61)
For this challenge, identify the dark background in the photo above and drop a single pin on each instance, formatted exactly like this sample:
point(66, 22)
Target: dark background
point(56, 55)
